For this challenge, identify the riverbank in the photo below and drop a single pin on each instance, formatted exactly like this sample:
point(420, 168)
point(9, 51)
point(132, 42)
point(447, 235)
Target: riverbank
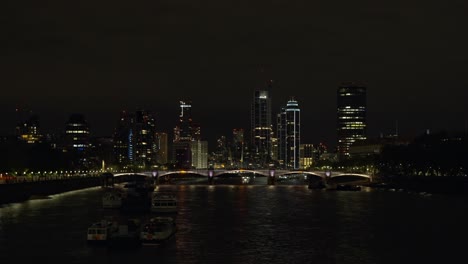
point(18, 192)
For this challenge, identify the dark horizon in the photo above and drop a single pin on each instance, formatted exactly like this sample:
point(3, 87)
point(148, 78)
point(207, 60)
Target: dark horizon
point(100, 58)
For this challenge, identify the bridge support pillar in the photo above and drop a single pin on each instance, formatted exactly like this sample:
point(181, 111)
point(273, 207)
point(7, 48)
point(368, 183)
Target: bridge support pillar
point(155, 177)
point(210, 176)
point(271, 177)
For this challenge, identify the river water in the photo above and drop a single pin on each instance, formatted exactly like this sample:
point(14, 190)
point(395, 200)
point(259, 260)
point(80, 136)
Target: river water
point(226, 223)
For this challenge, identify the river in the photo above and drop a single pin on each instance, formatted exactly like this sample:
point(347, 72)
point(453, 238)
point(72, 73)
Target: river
point(226, 223)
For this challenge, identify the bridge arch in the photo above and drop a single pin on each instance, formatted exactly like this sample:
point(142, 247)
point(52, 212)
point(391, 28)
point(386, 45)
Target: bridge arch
point(240, 171)
point(308, 173)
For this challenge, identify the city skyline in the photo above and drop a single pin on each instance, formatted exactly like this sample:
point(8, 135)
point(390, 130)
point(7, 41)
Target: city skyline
point(100, 59)
point(103, 124)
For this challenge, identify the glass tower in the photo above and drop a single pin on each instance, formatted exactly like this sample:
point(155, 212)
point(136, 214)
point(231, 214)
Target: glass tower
point(261, 129)
point(351, 116)
point(289, 135)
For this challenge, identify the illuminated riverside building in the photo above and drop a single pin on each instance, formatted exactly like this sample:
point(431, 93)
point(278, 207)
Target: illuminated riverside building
point(351, 116)
point(77, 134)
point(289, 135)
point(261, 127)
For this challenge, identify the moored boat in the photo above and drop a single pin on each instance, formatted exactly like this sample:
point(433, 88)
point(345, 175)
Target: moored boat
point(163, 202)
point(99, 232)
point(112, 199)
point(157, 230)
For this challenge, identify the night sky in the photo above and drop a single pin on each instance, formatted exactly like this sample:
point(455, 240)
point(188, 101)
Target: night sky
point(99, 57)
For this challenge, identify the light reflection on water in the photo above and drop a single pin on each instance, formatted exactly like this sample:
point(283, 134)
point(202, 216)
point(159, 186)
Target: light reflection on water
point(250, 224)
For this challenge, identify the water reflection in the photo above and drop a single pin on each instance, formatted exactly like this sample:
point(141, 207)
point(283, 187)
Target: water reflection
point(251, 224)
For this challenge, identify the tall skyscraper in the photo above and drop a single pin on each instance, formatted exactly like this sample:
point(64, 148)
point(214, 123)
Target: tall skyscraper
point(351, 116)
point(185, 133)
point(135, 139)
point(261, 127)
point(145, 147)
point(123, 139)
point(183, 130)
point(289, 135)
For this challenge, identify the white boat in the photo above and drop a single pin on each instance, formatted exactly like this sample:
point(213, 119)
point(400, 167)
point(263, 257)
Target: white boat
point(100, 231)
point(157, 230)
point(164, 202)
point(112, 199)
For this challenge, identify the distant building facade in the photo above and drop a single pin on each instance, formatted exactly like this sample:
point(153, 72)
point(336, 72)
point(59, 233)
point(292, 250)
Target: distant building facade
point(161, 142)
point(27, 127)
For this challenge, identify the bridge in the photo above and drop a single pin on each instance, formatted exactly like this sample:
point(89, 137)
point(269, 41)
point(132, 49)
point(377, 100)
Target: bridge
point(271, 174)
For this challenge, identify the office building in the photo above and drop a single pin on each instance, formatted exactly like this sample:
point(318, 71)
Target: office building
point(77, 134)
point(306, 153)
point(199, 151)
point(351, 117)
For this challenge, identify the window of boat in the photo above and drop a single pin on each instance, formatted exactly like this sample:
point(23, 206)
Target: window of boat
point(92, 231)
point(101, 231)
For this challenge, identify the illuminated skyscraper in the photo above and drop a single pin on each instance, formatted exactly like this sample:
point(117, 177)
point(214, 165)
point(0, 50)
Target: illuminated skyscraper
point(123, 137)
point(185, 133)
point(261, 128)
point(183, 130)
point(135, 139)
point(145, 147)
point(289, 135)
point(351, 116)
